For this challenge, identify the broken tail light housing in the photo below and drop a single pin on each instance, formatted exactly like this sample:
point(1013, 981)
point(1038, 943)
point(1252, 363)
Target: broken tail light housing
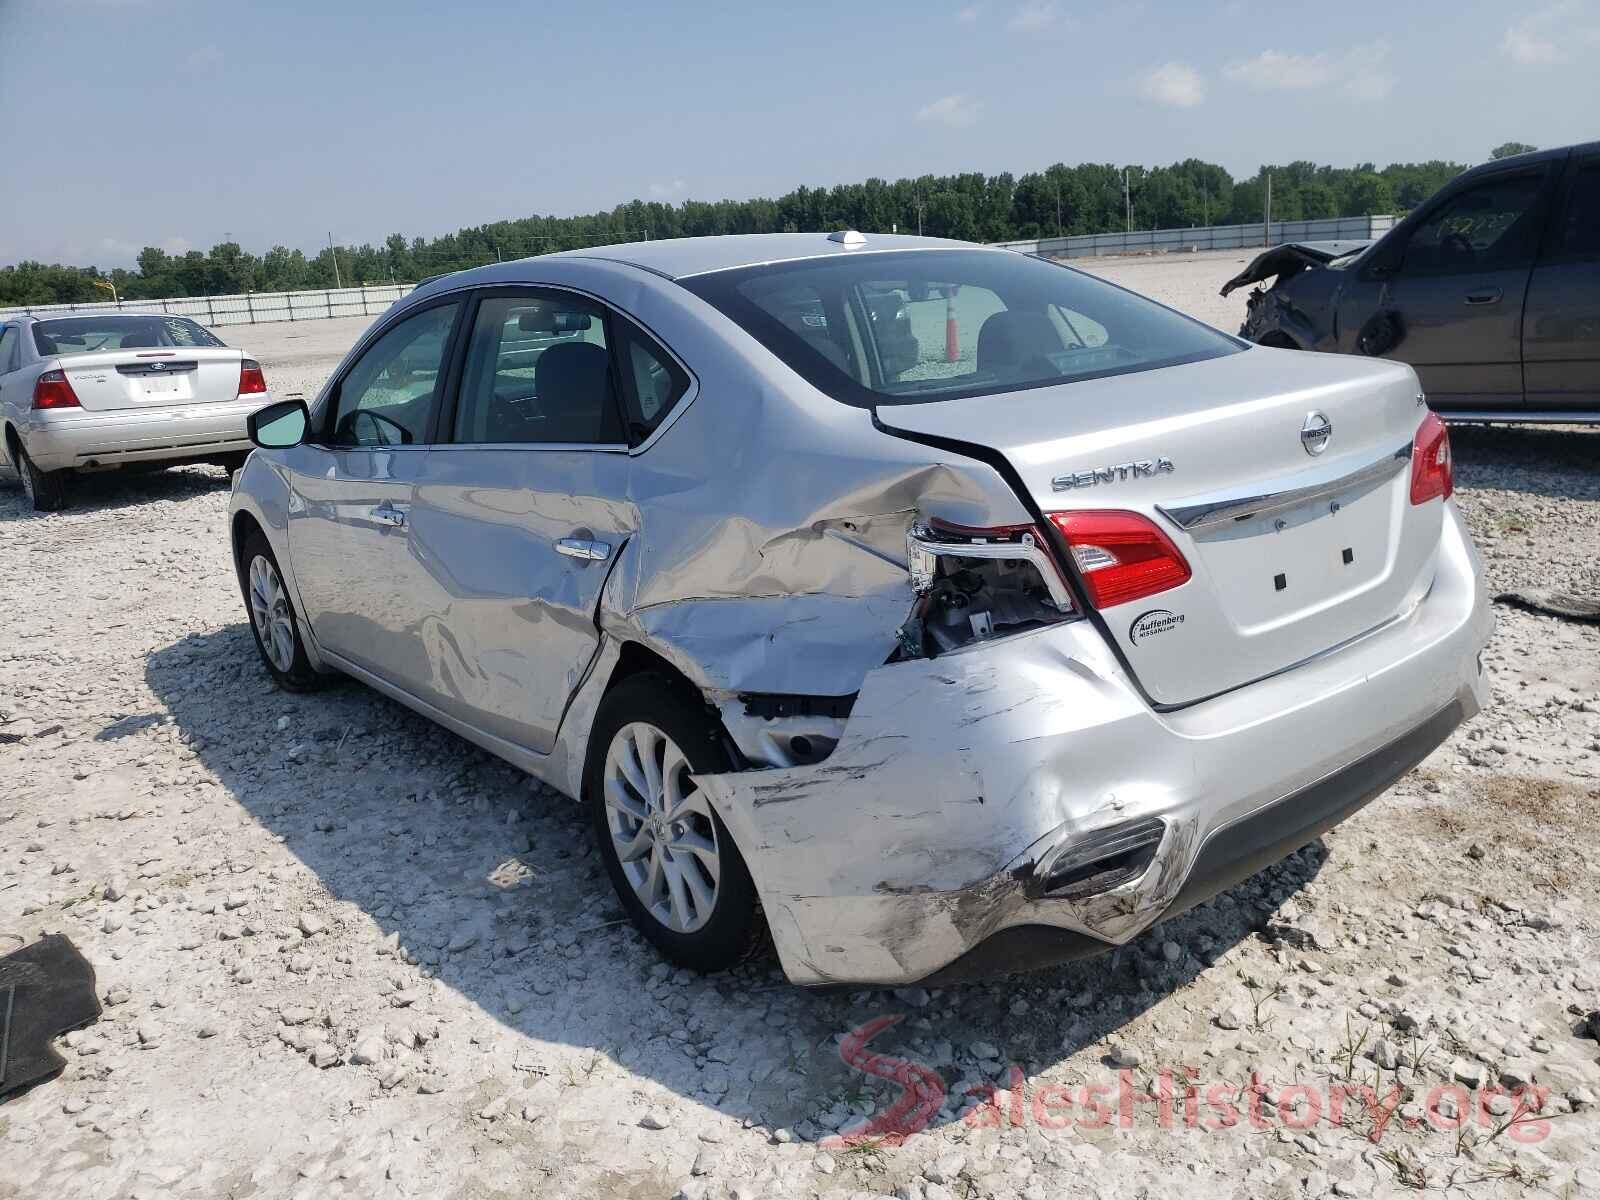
point(51, 390)
point(1121, 556)
point(1432, 469)
point(251, 381)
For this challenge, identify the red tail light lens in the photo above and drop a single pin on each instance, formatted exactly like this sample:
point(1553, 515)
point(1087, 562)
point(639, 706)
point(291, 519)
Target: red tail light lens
point(1432, 471)
point(51, 390)
point(251, 381)
point(1122, 556)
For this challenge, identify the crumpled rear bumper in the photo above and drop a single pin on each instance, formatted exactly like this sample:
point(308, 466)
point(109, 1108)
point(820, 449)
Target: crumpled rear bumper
point(912, 853)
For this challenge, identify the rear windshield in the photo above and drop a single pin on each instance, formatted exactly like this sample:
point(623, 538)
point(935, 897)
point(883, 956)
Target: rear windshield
point(921, 325)
point(85, 335)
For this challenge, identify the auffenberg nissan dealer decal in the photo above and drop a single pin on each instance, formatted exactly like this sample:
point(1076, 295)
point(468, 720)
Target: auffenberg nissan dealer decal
point(1157, 620)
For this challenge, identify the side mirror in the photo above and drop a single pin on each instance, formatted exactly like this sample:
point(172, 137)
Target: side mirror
point(279, 426)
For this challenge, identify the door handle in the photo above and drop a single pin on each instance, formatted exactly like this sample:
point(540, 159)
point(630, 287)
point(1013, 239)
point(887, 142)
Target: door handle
point(1486, 296)
point(388, 514)
point(584, 549)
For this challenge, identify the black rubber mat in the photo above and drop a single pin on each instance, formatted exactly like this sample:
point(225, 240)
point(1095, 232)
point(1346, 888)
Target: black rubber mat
point(1557, 604)
point(46, 989)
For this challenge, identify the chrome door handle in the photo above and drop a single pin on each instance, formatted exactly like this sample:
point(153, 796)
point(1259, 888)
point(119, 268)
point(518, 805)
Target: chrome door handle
point(584, 549)
point(1487, 296)
point(389, 515)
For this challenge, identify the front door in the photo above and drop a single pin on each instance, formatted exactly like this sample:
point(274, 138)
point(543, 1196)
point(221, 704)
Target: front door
point(350, 519)
point(1458, 284)
point(523, 513)
point(1561, 332)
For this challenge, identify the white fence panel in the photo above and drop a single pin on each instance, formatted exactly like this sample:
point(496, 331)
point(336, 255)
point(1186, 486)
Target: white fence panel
point(252, 308)
point(1205, 237)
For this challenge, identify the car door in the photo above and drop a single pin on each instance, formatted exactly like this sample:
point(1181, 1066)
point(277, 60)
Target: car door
point(349, 533)
point(1561, 327)
point(525, 508)
point(1457, 281)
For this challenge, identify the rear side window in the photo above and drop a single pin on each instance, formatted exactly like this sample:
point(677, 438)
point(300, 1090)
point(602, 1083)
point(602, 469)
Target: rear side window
point(917, 326)
point(652, 381)
point(538, 370)
point(1578, 230)
point(8, 349)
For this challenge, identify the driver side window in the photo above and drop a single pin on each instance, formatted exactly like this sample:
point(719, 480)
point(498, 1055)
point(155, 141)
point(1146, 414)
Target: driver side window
point(1490, 227)
point(389, 397)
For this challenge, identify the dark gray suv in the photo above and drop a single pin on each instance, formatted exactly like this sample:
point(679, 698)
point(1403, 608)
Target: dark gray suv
point(1491, 290)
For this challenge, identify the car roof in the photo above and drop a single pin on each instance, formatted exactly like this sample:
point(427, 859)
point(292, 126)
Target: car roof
point(1532, 156)
point(678, 258)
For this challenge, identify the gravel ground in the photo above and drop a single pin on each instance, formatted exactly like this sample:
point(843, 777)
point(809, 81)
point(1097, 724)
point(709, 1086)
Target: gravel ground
point(343, 953)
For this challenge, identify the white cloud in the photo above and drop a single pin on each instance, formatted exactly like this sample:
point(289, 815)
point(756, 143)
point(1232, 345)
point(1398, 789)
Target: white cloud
point(970, 14)
point(1034, 17)
point(663, 191)
point(177, 245)
point(958, 111)
point(1550, 35)
point(1359, 72)
point(1174, 84)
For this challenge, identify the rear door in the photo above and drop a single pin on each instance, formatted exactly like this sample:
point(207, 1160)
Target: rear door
point(525, 506)
point(1458, 283)
point(1561, 327)
point(349, 525)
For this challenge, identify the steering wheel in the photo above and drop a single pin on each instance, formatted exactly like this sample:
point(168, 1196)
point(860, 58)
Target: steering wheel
point(380, 423)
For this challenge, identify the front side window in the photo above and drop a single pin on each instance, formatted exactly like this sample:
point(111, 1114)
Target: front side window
point(1493, 225)
point(390, 395)
point(909, 327)
point(112, 331)
point(538, 370)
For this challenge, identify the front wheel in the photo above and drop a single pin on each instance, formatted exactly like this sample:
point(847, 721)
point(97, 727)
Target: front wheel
point(670, 858)
point(273, 621)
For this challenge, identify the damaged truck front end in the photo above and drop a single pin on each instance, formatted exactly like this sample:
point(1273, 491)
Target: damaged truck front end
point(1296, 308)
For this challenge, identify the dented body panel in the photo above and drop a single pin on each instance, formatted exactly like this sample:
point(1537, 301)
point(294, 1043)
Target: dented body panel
point(917, 838)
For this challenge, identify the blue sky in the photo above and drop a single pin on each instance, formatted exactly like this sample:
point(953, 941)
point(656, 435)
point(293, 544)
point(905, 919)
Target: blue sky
point(177, 122)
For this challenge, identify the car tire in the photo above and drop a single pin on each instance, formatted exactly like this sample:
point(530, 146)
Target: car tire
point(689, 891)
point(46, 490)
point(273, 621)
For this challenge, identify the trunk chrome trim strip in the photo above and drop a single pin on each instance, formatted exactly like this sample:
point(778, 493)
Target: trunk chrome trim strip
point(1209, 514)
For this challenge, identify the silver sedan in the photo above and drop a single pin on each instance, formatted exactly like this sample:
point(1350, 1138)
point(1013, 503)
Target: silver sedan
point(87, 393)
point(932, 609)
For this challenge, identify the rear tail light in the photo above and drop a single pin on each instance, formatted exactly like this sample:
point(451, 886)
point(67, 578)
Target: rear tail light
point(1432, 472)
point(51, 390)
point(1122, 556)
point(251, 381)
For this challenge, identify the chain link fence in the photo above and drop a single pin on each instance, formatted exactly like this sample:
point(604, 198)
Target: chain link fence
point(1205, 237)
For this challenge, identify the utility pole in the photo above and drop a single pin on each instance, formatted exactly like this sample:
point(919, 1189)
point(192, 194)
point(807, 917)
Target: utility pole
point(334, 254)
point(1058, 208)
point(1127, 198)
point(1266, 214)
point(1205, 206)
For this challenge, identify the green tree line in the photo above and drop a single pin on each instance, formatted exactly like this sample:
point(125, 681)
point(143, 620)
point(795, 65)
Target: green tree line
point(1088, 198)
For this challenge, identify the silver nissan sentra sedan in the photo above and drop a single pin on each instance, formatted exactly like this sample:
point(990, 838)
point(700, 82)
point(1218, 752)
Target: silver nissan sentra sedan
point(102, 391)
point(938, 610)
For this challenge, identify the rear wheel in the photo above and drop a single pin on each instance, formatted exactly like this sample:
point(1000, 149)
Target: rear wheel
point(46, 490)
point(273, 621)
point(672, 861)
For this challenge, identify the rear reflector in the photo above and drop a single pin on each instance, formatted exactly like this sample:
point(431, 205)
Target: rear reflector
point(251, 381)
point(1432, 471)
point(1122, 556)
point(51, 390)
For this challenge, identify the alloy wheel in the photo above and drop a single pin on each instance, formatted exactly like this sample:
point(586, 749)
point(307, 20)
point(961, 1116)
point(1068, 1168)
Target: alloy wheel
point(661, 827)
point(269, 608)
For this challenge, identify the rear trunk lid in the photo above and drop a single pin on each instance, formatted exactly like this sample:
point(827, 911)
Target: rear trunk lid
point(136, 379)
point(1292, 553)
